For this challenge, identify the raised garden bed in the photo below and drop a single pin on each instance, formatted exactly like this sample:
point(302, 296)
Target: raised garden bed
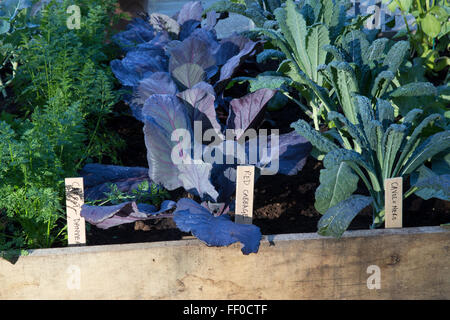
point(414, 263)
point(345, 127)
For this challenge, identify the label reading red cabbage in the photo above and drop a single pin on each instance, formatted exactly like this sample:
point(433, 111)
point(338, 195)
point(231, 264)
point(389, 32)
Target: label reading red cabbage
point(245, 181)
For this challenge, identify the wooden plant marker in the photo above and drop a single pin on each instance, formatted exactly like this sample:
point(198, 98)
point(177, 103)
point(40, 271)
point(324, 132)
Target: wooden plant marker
point(245, 185)
point(393, 202)
point(76, 228)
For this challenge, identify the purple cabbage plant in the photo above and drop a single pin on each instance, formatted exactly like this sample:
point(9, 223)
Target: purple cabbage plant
point(176, 71)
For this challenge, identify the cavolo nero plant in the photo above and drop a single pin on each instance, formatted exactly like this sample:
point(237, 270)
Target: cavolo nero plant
point(372, 69)
point(330, 58)
point(386, 148)
point(301, 33)
point(176, 72)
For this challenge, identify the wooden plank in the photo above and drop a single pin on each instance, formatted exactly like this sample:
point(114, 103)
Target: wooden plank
point(414, 263)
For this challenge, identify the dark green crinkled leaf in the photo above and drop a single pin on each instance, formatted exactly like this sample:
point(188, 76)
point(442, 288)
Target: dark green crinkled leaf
point(385, 112)
point(269, 54)
point(431, 185)
point(431, 146)
point(415, 89)
point(227, 6)
point(396, 55)
point(337, 219)
point(375, 51)
point(414, 138)
point(392, 142)
point(382, 82)
point(269, 82)
point(336, 184)
point(353, 130)
point(313, 136)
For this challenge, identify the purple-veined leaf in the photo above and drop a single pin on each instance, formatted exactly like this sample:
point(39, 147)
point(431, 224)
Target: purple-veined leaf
point(231, 66)
point(136, 66)
point(157, 83)
point(205, 87)
point(204, 109)
point(105, 217)
point(247, 112)
point(192, 10)
point(162, 115)
point(156, 46)
point(170, 162)
point(215, 231)
point(291, 153)
point(211, 20)
point(94, 174)
point(138, 31)
point(208, 36)
point(230, 47)
point(167, 111)
point(193, 50)
point(189, 74)
point(195, 178)
point(188, 28)
point(159, 148)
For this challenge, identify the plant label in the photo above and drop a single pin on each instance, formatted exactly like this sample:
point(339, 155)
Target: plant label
point(76, 231)
point(245, 184)
point(393, 206)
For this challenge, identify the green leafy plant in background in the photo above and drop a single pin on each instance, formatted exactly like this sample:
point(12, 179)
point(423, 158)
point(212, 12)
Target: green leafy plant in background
point(431, 39)
point(374, 148)
point(145, 192)
point(261, 12)
point(302, 31)
point(72, 66)
point(372, 69)
point(16, 23)
point(34, 159)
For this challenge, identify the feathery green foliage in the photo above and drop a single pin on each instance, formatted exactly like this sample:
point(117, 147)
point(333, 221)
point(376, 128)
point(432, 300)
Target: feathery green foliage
point(65, 90)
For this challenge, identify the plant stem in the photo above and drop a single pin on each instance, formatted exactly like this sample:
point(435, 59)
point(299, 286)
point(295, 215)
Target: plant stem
point(410, 192)
point(3, 88)
point(301, 105)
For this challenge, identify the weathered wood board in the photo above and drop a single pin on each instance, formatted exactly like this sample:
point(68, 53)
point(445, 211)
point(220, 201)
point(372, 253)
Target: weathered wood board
point(414, 263)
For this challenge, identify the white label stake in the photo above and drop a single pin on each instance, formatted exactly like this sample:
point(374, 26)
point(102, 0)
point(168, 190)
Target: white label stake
point(245, 184)
point(393, 202)
point(76, 229)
